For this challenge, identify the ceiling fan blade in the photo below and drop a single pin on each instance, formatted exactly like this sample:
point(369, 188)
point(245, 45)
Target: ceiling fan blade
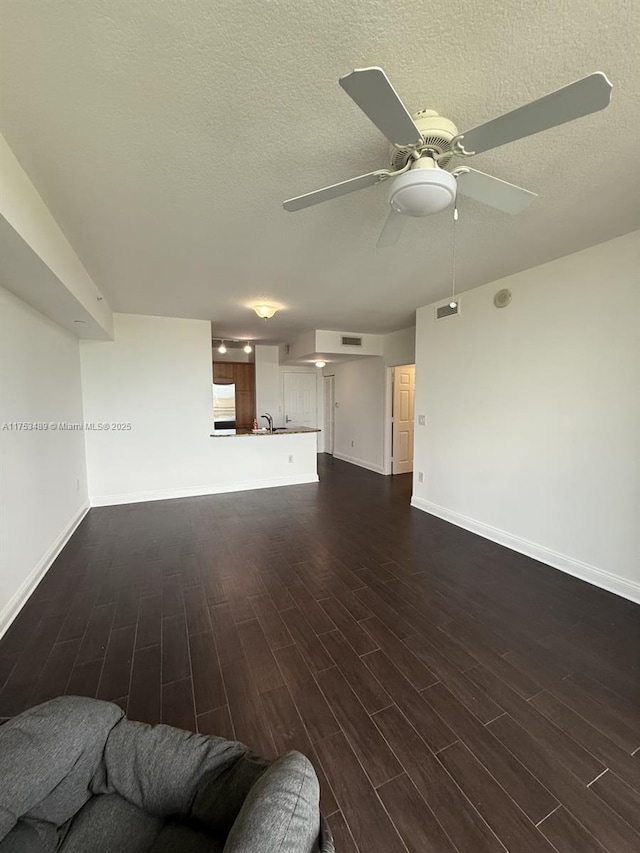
point(493, 191)
point(335, 190)
point(372, 91)
point(578, 99)
point(391, 230)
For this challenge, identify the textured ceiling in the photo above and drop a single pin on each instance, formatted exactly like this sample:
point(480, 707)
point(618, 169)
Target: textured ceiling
point(164, 135)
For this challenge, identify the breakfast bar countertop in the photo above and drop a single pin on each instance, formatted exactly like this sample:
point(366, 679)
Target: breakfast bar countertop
point(232, 433)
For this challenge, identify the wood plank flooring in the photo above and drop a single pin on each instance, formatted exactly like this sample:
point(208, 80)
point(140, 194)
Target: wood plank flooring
point(452, 695)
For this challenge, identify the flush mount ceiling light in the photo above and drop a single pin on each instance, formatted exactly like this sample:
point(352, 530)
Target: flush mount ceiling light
point(222, 348)
point(265, 310)
point(321, 363)
point(247, 347)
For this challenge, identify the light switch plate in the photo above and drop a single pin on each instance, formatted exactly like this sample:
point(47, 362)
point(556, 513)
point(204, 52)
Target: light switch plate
point(422, 420)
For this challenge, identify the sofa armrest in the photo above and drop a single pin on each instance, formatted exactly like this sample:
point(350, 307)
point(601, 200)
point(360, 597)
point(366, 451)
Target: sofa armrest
point(281, 812)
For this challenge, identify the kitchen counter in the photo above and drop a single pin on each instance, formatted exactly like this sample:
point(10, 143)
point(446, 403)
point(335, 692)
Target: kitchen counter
point(232, 433)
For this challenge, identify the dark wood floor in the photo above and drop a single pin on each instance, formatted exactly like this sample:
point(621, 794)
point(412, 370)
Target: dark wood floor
point(453, 695)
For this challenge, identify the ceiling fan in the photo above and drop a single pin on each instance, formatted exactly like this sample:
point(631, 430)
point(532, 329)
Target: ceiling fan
point(423, 146)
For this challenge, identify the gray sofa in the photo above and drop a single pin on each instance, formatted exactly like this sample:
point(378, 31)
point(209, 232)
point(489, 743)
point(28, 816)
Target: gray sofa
point(76, 776)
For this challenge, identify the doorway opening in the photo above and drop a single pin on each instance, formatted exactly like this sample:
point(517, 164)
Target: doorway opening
point(402, 418)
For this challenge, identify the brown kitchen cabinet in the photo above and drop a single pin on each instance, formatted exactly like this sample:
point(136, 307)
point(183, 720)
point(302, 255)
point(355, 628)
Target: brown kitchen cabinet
point(223, 372)
point(243, 375)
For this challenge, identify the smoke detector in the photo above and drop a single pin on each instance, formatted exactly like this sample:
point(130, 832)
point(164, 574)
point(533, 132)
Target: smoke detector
point(502, 298)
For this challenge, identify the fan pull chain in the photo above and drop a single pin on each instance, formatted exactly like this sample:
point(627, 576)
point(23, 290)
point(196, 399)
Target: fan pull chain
point(453, 303)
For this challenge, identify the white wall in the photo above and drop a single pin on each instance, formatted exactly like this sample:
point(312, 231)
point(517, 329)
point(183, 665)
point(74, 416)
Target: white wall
point(533, 414)
point(25, 211)
point(359, 414)
point(43, 487)
point(331, 342)
point(156, 375)
point(400, 347)
point(268, 384)
point(323, 344)
point(362, 417)
point(301, 347)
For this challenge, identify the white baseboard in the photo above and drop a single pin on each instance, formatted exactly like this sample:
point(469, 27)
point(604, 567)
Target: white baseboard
point(197, 491)
point(18, 600)
point(598, 577)
point(361, 463)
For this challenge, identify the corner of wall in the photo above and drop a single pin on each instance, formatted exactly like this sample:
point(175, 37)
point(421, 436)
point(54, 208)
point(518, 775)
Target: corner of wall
point(17, 601)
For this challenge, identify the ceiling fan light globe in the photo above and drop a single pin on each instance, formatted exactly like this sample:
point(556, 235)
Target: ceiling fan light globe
point(422, 192)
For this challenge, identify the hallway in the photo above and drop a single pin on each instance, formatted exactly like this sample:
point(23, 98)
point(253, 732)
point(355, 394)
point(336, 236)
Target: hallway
point(413, 662)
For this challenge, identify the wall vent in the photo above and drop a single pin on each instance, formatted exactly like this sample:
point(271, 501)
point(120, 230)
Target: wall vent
point(351, 342)
point(443, 311)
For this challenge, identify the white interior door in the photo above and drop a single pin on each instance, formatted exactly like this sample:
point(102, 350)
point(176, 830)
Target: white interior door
point(404, 389)
point(300, 399)
point(329, 412)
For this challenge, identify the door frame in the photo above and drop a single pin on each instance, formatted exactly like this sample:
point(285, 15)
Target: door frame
point(329, 413)
point(388, 420)
point(388, 425)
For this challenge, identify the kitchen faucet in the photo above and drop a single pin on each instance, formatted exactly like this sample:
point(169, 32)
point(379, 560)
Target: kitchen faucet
point(269, 420)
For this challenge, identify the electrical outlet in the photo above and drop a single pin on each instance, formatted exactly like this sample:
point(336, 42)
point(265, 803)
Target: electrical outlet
point(422, 420)
point(290, 458)
point(420, 477)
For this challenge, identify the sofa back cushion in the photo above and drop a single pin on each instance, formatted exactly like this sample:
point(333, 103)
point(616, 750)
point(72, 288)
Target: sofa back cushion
point(48, 758)
point(108, 823)
point(167, 771)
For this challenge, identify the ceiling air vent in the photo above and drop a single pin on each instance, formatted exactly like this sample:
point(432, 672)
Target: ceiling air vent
point(351, 342)
point(447, 310)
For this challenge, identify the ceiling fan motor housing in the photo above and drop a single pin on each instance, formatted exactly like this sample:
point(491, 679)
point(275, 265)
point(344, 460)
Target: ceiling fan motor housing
point(437, 133)
point(423, 190)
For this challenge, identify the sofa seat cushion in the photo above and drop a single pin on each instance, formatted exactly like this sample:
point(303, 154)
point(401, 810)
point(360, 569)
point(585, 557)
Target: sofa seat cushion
point(30, 836)
point(110, 824)
point(178, 837)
